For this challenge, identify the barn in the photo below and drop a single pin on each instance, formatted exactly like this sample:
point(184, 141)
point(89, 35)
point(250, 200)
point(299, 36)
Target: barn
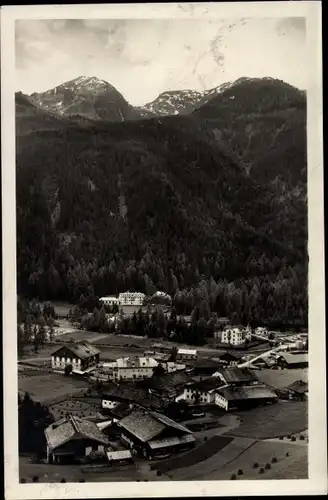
point(151, 434)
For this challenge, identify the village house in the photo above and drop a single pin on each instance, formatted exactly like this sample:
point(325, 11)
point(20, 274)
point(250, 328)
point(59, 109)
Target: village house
point(187, 354)
point(205, 366)
point(136, 368)
point(293, 360)
point(298, 390)
point(73, 438)
point(244, 397)
point(202, 392)
point(81, 357)
point(130, 368)
point(131, 392)
point(168, 385)
point(151, 434)
point(261, 331)
point(237, 376)
point(131, 298)
point(227, 359)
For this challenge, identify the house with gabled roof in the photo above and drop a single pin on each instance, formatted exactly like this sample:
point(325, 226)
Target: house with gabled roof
point(297, 390)
point(244, 397)
point(73, 438)
point(82, 356)
point(201, 392)
point(150, 433)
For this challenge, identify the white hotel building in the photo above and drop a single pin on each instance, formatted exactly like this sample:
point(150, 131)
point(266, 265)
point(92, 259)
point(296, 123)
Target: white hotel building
point(124, 299)
point(236, 336)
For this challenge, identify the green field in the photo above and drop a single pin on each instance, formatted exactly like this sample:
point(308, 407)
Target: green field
point(281, 419)
point(47, 387)
point(279, 379)
point(199, 454)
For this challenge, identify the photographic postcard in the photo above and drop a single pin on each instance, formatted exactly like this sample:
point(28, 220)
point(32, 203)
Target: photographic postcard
point(163, 250)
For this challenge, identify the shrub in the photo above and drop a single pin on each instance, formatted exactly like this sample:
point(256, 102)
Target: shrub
point(274, 460)
point(281, 437)
point(63, 480)
point(267, 466)
point(23, 480)
point(287, 454)
point(262, 470)
point(302, 437)
point(255, 465)
point(289, 436)
point(35, 479)
point(240, 472)
point(293, 438)
point(159, 473)
point(82, 481)
point(233, 476)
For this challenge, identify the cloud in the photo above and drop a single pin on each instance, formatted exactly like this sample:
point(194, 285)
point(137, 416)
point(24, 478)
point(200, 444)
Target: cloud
point(143, 58)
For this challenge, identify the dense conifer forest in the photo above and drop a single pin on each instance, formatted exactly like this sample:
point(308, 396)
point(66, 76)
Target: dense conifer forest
point(160, 204)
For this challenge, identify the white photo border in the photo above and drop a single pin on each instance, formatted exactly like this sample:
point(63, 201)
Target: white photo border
point(317, 482)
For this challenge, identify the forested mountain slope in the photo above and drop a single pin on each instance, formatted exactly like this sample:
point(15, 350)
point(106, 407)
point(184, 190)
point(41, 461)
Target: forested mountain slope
point(155, 204)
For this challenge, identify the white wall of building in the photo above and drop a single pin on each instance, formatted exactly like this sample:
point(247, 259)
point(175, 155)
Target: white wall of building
point(59, 363)
point(110, 301)
point(131, 298)
point(221, 401)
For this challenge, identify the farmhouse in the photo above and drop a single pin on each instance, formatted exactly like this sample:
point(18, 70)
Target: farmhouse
point(81, 356)
point(131, 298)
point(227, 359)
point(231, 398)
point(151, 433)
point(168, 385)
point(202, 392)
point(187, 354)
point(293, 360)
point(297, 390)
point(237, 376)
point(73, 438)
point(132, 392)
point(130, 368)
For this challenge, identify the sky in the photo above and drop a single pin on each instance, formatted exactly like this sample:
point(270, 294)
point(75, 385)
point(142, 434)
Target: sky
point(143, 58)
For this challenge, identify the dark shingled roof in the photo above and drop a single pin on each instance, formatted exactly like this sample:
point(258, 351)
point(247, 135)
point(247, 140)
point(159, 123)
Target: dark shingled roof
point(233, 375)
point(134, 392)
point(298, 386)
point(83, 350)
point(205, 385)
point(63, 430)
point(296, 358)
point(168, 381)
point(148, 425)
point(247, 392)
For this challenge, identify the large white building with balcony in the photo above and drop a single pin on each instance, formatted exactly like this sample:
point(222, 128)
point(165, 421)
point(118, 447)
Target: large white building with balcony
point(131, 298)
point(236, 336)
point(110, 301)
